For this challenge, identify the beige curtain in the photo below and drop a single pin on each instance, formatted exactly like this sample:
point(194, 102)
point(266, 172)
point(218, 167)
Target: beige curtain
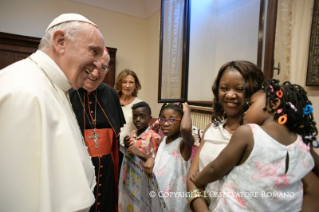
point(172, 49)
point(294, 19)
point(293, 28)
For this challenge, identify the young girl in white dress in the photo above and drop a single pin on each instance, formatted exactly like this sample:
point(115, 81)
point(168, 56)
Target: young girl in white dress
point(172, 161)
point(267, 159)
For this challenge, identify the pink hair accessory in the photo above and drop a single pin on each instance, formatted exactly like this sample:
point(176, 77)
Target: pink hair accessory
point(279, 110)
point(271, 88)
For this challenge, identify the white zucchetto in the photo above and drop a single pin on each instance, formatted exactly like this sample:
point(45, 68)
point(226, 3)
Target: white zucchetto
point(66, 17)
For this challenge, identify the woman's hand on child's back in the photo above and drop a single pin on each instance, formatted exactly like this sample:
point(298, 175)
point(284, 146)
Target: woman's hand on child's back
point(127, 141)
point(148, 165)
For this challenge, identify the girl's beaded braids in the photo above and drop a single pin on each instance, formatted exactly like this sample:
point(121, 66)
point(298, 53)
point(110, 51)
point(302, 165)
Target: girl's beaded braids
point(295, 109)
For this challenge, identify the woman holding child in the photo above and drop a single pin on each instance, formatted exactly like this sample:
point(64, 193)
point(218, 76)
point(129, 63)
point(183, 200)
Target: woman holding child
point(235, 83)
point(269, 155)
point(233, 87)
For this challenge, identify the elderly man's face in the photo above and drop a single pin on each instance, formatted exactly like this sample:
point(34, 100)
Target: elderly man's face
point(97, 75)
point(82, 55)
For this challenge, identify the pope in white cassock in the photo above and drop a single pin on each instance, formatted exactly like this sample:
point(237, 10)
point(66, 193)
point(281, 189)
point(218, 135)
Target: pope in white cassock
point(44, 164)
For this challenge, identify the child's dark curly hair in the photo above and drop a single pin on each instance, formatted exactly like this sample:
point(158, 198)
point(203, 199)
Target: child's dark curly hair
point(295, 108)
point(253, 77)
point(142, 104)
point(178, 107)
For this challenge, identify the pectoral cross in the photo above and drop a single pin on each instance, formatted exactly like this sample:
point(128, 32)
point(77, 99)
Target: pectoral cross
point(95, 136)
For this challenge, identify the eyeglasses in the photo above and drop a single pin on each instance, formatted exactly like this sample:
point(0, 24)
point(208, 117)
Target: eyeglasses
point(170, 120)
point(105, 69)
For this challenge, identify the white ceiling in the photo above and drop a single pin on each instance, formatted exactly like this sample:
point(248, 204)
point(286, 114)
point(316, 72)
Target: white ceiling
point(138, 8)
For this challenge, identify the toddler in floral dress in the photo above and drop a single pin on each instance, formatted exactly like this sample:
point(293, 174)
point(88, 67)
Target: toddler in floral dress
point(172, 161)
point(267, 160)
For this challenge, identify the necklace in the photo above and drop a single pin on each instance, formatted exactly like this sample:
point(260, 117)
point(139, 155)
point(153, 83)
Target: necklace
point(230, 130)
point(94, 135)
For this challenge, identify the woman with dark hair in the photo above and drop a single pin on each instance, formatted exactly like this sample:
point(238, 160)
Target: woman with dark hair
point(235, 83)
point(252, 76)
point(127, 85)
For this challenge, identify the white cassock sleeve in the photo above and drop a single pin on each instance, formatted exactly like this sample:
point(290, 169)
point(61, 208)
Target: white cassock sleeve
point(43, 164)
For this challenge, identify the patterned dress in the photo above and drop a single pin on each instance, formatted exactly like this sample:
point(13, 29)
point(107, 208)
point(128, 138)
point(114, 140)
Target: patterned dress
point(171, 170)
point(261, 183)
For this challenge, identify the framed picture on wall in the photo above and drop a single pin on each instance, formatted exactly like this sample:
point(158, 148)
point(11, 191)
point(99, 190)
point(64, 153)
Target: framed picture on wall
point(313, 57)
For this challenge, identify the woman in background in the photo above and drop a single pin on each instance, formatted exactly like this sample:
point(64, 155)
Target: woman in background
point(127, 85)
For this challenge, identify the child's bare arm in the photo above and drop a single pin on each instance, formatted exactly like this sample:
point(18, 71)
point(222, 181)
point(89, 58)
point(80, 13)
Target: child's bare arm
point(148, 165)
point(133, 150)
point(186, 132)
point(198, 204)
point(186, 126)
point(231, 155)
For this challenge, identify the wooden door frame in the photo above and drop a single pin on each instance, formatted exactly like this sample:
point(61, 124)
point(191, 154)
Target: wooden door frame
point(270, 35)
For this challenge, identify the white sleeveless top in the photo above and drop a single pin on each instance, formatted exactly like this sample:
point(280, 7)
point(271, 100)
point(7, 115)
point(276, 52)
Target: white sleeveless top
point(216, 139)
point(263, 173)
point(171, 170)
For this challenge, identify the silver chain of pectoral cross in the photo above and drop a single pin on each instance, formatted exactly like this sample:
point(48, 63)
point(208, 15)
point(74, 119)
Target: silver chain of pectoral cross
point(94, 135)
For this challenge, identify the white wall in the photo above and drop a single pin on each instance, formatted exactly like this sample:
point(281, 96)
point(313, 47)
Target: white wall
point(202, 50)
point(220, 31)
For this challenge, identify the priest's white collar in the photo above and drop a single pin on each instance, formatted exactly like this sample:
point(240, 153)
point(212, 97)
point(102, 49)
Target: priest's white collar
point(52, 70)
point(48, 59)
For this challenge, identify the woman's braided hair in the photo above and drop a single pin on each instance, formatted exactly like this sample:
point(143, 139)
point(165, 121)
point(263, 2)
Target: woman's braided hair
point(295, 105)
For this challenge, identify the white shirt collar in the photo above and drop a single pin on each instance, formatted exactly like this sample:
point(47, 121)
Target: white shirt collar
point(52, 70)
point(48, 59)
